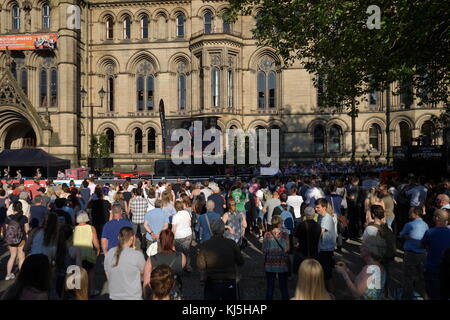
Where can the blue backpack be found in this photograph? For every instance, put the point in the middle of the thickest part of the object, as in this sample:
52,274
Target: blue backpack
288,219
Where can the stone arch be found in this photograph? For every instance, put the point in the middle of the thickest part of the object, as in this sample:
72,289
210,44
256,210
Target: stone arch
125,12
141,12
161,12
138,57
154,125
105,14
130,129
257,122
104,61
344,126
12,116
422,119
105,125
234,122
201,11
176,10
177,58
258,54
395,122
368,123
315,123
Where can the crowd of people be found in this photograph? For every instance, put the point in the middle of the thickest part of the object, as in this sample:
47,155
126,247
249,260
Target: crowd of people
150,235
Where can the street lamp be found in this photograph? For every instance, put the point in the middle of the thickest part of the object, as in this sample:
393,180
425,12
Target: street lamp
83,96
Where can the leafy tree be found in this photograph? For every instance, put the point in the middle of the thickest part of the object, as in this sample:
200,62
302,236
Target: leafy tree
100,147
332,39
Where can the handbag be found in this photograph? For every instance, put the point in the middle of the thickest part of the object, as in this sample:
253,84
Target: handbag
152,249
288,260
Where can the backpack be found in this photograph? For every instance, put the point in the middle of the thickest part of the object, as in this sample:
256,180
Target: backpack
288,220
389,237
14,233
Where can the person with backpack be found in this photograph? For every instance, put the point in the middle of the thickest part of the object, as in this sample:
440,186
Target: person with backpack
287,213
16,229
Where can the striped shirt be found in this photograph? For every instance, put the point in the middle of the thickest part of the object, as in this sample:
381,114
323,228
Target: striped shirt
275,257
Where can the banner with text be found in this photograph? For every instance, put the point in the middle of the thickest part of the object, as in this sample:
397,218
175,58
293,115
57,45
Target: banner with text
29,42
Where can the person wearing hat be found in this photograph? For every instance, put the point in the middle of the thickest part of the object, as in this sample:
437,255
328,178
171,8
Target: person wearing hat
308,235
218,258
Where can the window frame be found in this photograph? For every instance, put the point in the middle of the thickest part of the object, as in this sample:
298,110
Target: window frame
126,26
15,17
215,87
182,25
210,23
151,141
182,92
109,25
315,138
375,126
45,16
145,26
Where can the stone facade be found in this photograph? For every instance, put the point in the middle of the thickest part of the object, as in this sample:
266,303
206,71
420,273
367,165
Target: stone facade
140,52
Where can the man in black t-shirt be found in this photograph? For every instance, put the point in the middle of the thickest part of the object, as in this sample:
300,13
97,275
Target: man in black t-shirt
217,198
177,186
308,236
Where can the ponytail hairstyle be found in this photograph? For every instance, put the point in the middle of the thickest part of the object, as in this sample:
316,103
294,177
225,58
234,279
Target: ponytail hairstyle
125,234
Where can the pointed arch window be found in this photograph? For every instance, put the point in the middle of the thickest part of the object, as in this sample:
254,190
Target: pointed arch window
335,144
151,141
180,25
215,87
144,27
24,81
428,132
110,135
272,84
110,90
375,137
137,140
230,88
182,91
15,17
145,87
43,85
261,90
319,139
127,28
208,21
226,25
405,133
109,28
46,16
54,88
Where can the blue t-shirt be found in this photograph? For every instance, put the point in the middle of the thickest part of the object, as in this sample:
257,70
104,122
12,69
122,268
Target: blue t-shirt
204,229
415,230
436,239
37,215
111,231
156,220
69,211
328,240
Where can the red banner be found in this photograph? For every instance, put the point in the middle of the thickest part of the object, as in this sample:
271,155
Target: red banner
29,42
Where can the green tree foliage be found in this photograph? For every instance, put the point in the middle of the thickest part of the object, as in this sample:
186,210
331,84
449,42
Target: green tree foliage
332,39
100,147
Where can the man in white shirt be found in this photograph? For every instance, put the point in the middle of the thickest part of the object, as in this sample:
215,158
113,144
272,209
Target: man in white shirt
295,201
417,195
206,190
314,193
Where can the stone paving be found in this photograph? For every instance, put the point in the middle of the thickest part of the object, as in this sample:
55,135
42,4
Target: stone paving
252,285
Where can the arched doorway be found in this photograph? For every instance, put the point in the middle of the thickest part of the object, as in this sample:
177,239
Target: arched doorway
16,131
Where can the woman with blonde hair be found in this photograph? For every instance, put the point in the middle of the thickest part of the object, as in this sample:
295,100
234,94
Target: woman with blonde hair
371,200
311,282
120,200
85,238
81,293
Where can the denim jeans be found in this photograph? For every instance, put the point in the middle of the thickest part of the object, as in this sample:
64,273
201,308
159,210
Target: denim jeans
184,245
283,282
389,222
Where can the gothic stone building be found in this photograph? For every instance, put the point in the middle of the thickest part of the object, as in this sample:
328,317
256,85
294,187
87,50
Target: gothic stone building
181,51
